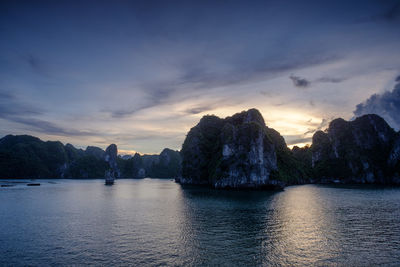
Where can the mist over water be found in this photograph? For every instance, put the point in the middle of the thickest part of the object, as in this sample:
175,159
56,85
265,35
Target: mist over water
158,222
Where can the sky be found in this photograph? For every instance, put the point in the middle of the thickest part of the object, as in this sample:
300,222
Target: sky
140,74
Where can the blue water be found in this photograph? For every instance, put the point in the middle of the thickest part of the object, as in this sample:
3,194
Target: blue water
157,222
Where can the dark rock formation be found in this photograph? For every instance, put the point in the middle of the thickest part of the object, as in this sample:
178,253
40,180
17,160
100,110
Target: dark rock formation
359,151
126,157
394,156
24,156
95,151
111,156
138,168
236,152
148,161
394,161
303,157
166,165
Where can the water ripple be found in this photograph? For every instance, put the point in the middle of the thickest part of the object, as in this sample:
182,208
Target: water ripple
153,222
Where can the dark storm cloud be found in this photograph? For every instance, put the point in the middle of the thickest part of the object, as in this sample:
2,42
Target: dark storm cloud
299,82
387,105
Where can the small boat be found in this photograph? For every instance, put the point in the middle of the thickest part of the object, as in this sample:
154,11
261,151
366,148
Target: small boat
33,184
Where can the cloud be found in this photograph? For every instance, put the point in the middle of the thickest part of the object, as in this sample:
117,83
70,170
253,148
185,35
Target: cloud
266,94
10,106
47,127
386,105
195,79
330,80
209,105
392,13
197,110
307,136
299,82
33,62
324,123
303,82
154,94
6,96
37,64
120,113
296,139
14,110
389,15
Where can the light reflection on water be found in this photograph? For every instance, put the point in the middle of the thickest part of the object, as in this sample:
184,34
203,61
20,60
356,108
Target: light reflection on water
157,222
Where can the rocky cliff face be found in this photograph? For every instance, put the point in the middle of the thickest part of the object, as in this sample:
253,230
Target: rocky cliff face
394,156
360,151
235,152
110,156
167,165
394,160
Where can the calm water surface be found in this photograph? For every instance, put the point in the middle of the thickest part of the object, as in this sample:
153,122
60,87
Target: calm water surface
157,222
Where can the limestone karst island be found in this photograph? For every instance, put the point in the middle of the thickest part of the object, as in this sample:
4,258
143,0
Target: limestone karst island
239,151
199,133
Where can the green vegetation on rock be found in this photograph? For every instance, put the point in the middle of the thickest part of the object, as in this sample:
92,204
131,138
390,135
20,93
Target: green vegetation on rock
238,152
355,151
